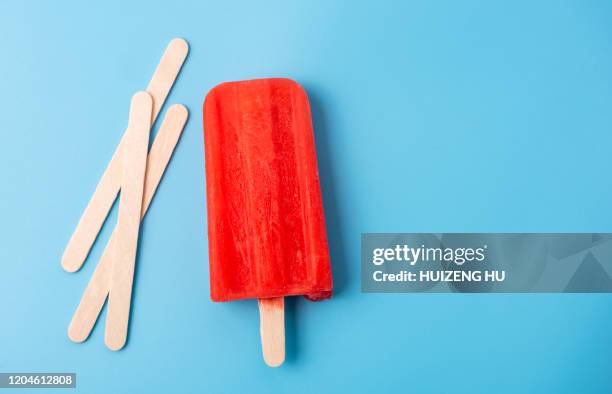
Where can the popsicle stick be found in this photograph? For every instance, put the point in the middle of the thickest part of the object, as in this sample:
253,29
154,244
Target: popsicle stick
272,330
166,72
128,223
108,187
95,294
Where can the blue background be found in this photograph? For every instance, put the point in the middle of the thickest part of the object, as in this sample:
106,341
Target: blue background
430,116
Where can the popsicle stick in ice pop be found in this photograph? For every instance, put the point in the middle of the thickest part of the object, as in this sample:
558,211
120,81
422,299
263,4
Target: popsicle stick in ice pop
108,187
272,330
266,228
128,223
159,156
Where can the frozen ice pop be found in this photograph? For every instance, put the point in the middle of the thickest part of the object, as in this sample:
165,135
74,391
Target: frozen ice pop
265,217
266,227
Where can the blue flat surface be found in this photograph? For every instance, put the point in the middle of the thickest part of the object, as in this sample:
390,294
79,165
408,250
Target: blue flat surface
430,116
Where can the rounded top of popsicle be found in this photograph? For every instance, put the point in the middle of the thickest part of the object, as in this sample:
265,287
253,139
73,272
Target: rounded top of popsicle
280,82
284,82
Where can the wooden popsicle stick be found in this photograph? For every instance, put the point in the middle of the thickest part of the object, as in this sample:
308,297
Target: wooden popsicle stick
272,330
166,72
108,187
159,156
128,223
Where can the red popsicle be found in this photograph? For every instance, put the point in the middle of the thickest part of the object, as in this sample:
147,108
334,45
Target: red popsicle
266,227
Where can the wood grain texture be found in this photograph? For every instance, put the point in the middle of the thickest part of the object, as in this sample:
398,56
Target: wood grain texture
128,222
104,196
159,156
272,330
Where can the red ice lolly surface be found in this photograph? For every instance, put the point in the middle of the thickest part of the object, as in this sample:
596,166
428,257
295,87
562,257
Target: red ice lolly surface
266,228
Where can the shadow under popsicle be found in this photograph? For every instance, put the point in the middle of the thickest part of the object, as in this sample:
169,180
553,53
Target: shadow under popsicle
334,225
335,229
